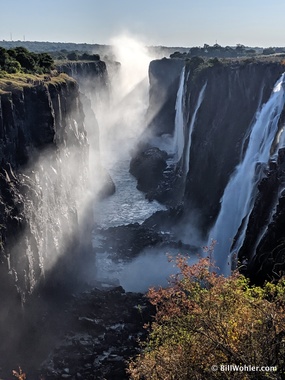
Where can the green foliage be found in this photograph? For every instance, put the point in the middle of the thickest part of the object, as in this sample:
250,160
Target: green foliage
217,51
73,56
20,59
268,51
18,81
26,61
195,62
214,62
12,66
76,56
90,57
203,319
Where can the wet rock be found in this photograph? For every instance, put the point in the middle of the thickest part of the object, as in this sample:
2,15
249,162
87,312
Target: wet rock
108,187
86,353
128,240
148,166
263,251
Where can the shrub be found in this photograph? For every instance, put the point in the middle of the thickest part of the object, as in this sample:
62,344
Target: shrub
45,61
204,319
12,66
20,59
73,56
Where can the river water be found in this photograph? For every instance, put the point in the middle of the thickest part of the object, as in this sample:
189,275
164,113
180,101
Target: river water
121,124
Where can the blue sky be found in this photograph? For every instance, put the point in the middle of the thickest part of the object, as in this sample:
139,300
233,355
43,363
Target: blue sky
156,22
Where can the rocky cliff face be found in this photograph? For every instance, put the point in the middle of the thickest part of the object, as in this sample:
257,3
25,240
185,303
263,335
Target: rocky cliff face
92,77
262,255
231,98
218,105
231,95
43,181
164,80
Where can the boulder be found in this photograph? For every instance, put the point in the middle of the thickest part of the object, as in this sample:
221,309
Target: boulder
148,167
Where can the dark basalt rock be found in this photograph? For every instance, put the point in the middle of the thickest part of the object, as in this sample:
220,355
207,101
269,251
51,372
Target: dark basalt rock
42,137
87,335
92,78
148,166
219,136
104,327
108,187
164,77
127,241
165,219
221,126
124,243
262,255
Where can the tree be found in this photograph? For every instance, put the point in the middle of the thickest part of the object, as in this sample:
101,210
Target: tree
269,51
203,319
3,56
25,58
12,66
20,59
73,56
45,61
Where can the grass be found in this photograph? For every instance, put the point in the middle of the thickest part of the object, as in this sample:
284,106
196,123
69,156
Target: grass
18,81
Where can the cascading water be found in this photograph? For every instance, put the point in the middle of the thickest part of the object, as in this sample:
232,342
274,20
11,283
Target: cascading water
179,138
239,194
121,123
191,127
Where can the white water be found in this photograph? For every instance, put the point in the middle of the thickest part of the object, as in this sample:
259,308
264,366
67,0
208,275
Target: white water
151,268
121,124
238,197
178,137
191,127
127,205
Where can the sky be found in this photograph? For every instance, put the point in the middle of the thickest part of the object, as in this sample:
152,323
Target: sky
155,22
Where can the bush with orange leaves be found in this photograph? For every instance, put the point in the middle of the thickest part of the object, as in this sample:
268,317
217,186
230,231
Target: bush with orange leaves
204,319
20,375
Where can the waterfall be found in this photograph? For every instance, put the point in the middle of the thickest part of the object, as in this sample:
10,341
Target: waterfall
178,138
191,127
238,197
59,110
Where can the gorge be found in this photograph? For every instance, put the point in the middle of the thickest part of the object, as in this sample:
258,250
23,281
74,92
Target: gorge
226,140
205,144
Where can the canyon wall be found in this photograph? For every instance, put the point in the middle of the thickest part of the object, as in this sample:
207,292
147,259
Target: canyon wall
45,218
42,133
219,104
164,80
221,127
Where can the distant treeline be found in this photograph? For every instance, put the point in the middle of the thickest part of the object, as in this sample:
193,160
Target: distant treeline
35,56
20,59
75,55
39,47
218,51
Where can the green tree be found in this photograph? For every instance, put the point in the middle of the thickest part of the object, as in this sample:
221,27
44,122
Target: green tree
25,58
45,61
269,51
12,66
4,56
73,56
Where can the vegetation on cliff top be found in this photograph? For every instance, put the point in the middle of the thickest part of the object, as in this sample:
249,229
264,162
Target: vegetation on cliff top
20,59
204,320
14,82
21,68
218,51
